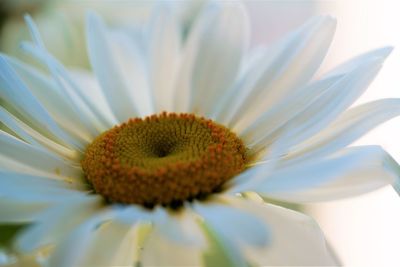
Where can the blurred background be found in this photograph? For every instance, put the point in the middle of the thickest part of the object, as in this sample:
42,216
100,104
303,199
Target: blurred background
363,231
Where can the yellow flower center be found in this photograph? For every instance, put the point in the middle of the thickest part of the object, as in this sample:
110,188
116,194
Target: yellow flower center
163,159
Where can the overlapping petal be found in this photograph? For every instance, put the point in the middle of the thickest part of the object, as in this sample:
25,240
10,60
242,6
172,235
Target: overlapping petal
349,172
212,57
296,130
287,66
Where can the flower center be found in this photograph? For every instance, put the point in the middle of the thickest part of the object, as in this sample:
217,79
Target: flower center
163,159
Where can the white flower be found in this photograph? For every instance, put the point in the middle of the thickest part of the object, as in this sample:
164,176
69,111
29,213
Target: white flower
296,131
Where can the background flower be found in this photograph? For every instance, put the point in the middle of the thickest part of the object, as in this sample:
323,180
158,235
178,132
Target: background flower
62,25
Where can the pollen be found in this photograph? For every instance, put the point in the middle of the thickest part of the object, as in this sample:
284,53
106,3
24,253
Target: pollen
163,159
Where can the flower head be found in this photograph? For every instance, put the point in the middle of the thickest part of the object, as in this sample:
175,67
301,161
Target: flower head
165,154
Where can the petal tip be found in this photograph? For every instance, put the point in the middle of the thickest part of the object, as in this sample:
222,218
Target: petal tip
386,51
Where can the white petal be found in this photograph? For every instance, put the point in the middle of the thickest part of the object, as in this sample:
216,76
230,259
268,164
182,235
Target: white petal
132,65
94,94
12,165
257,171
70,89
289,64
293,104
49,95
239,226
107,70
70,251
57,221
180,227
350,126
296,239
159,251
274,118
118,241
143,221
353,63
351,172
327,107
23,154
21,210
221,250
253,57
24,197
24,186
34,138
16,94
112,244
164,55
213,56
248,179
90,112
130,214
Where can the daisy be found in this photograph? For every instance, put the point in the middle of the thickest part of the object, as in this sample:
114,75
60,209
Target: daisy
172,151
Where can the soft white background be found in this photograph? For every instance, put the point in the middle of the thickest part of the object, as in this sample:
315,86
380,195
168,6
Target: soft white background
364,231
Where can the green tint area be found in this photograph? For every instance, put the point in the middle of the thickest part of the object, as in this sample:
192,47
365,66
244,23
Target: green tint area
288,205
220,253
8,232
215,255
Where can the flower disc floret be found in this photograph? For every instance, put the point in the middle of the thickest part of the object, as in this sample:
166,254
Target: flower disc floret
163,159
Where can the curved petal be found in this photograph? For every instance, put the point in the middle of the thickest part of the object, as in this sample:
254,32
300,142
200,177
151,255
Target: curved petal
70,90
90,112
112,244
276,117
180,227
350,172
34,138
229,229
109,69
24,197
327,107
159,251
295,103
24,186
25,155
289,64
258,170
239,226
212,57
221,250
133,67
21,210
164,56
15,93
93,94
346,129
69,252
52,225
353,63
49,95
296,239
